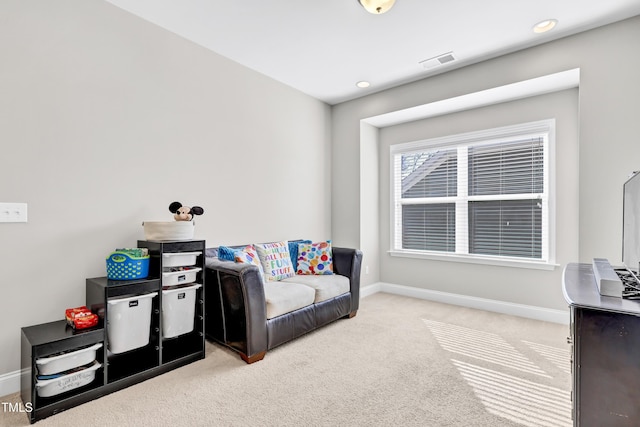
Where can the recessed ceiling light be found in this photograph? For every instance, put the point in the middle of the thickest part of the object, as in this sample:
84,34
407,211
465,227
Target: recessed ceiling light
363,84
544,26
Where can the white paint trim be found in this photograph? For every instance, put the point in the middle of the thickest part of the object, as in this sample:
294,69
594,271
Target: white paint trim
10,383
374,288
475,259
511,92
513,309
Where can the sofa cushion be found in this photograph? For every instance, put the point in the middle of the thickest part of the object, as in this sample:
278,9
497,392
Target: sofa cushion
284,297
326,287
315,258
275,260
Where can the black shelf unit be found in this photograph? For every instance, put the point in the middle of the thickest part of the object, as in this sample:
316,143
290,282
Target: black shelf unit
46,340
192,343
118,370
99,291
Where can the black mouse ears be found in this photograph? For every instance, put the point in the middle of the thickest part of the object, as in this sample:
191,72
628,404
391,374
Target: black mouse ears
173,207
195,210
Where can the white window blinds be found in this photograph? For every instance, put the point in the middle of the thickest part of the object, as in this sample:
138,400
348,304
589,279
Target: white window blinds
475,196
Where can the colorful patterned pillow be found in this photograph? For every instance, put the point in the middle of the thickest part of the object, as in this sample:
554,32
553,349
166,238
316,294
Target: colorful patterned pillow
315,258
275,260
249,255
293,251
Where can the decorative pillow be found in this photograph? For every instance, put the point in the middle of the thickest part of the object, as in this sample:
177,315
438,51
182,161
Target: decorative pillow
293,251
275,260
249,255
315,258
226,253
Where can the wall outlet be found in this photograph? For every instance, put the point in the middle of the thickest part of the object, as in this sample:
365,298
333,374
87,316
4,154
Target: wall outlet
366,269
13,212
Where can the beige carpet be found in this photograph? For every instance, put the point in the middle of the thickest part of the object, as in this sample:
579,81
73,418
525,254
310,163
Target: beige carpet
400,361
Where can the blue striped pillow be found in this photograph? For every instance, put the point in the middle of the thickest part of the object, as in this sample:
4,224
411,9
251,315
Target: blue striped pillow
226,253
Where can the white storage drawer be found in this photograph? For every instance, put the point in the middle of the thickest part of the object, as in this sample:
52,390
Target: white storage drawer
172,278
70,381
178,310
64,362
129,322
179,259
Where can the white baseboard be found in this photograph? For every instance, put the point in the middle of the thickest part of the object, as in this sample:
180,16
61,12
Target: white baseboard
9,383
528,311
365,291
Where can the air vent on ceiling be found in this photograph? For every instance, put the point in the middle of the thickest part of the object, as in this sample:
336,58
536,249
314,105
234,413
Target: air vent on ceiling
438,60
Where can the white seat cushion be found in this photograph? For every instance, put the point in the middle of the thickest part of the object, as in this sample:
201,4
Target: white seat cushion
326,286
283,297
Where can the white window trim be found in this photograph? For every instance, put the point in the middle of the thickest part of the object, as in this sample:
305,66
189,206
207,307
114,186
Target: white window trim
494,135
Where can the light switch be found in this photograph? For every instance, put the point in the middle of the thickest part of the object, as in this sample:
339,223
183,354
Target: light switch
13,212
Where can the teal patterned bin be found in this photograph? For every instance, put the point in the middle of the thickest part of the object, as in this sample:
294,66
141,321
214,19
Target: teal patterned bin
122,266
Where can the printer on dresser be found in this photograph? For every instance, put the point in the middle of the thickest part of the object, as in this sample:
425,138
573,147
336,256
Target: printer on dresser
605,328
605,341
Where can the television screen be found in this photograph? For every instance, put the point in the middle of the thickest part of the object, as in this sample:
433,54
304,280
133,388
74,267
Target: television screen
631,223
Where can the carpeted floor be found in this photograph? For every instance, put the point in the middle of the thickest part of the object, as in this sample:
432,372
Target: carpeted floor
400,361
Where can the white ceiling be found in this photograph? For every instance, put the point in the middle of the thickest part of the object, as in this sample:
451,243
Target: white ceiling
323,48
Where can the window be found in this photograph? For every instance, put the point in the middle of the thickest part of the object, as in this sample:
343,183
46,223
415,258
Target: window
481,195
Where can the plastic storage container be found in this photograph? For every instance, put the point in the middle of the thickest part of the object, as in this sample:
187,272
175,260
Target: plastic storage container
129,322
170,230
178,310
172,278
122,266
64,362
179,259
70,381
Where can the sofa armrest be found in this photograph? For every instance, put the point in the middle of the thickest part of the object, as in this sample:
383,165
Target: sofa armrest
242,304
348,262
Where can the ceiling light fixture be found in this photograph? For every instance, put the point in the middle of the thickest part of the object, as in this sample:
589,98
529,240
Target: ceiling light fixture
377,6
544,26
363,84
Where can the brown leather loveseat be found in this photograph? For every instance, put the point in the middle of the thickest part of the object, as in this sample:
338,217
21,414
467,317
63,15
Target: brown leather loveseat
251,318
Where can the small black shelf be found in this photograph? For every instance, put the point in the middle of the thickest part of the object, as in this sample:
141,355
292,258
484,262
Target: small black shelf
46,340
191,343
178,347
133,362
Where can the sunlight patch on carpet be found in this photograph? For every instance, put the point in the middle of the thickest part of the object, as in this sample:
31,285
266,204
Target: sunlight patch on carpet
516,399
481,345
560,357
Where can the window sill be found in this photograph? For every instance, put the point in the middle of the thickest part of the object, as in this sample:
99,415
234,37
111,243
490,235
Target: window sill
485,260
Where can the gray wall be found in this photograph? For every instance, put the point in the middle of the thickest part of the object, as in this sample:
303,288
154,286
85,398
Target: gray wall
105,119
607,151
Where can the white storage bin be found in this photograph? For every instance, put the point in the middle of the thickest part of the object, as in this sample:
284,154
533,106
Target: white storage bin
178,310
179,259
129,322
64,362
169,230
73,380
172,278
